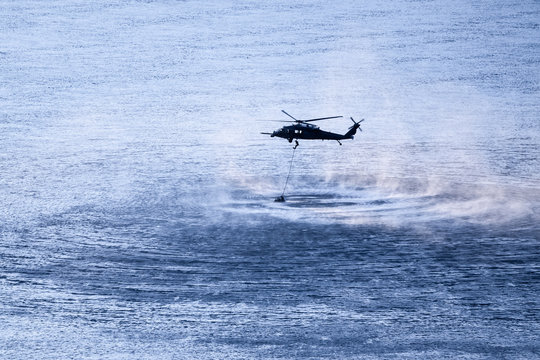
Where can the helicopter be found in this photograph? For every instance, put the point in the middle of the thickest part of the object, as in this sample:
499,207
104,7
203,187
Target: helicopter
303,129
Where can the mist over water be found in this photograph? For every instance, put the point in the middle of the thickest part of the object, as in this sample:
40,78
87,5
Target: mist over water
136,192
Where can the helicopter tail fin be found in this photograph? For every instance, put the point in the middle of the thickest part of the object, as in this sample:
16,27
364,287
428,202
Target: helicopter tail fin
352,130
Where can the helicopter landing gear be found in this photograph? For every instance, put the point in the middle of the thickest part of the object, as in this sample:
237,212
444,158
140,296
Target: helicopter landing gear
339,142
296,142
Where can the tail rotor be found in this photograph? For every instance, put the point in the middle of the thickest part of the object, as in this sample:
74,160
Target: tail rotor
356,124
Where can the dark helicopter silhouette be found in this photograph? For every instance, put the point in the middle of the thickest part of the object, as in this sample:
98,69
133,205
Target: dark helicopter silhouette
302,129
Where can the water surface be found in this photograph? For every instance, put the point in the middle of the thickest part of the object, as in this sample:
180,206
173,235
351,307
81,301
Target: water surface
136,193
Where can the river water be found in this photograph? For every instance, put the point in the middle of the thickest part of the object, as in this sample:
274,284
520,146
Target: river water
137,218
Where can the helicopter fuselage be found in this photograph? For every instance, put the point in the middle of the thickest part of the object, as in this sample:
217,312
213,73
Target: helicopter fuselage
309,132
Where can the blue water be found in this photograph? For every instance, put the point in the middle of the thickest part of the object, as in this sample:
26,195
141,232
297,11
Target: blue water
137,218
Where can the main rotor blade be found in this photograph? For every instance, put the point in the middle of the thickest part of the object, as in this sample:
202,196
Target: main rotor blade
323,118
289,115
287,121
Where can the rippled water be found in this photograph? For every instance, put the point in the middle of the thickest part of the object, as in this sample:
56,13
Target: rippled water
136,194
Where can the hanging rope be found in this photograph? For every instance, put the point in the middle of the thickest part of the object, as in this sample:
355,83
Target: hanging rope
290,167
